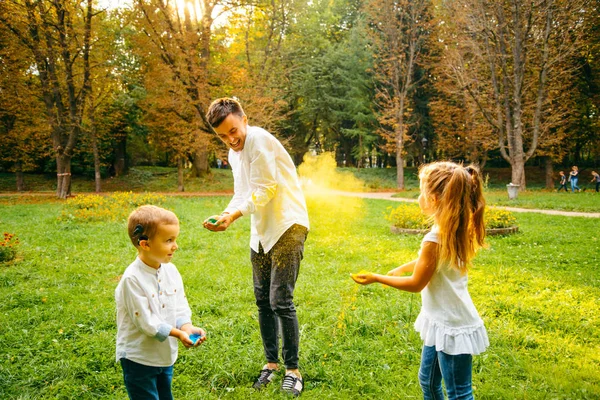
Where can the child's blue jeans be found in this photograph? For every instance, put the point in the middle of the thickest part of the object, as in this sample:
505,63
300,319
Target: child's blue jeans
455,370
147,383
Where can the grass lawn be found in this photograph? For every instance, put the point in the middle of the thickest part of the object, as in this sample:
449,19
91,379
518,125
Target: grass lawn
538,292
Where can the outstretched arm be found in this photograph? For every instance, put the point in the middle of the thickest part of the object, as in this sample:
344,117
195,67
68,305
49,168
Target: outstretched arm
424,268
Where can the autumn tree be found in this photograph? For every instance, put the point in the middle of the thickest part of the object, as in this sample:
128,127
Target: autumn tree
513,59
56,35
399,29
175,42
24,135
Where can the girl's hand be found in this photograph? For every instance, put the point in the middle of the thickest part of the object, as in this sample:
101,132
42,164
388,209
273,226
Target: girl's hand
365,278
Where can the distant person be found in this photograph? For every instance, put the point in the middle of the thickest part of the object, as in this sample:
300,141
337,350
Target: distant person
225,164
450,327
596,178
266,187
573,178
152,310
219,162
563,181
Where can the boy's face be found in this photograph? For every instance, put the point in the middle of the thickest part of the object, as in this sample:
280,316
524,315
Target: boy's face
160,247
232,131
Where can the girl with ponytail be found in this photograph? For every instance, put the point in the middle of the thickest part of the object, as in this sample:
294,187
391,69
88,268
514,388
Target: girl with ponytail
449,324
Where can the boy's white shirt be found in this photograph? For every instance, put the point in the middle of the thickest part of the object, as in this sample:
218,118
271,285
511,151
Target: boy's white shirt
267,187
150,302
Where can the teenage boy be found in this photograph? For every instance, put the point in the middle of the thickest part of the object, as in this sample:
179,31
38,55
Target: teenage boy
267,188
152,309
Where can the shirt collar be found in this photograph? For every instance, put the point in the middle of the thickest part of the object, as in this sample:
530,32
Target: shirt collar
146,268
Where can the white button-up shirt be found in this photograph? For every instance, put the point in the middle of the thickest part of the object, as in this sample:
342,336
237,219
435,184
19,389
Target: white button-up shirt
150,302
266,186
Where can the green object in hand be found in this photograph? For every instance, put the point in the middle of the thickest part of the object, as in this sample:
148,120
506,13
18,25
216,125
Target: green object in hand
213,221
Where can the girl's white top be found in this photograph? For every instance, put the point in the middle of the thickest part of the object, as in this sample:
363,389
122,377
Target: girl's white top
448,319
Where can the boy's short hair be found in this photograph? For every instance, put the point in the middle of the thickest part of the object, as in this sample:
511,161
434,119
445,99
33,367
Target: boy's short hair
221,108
149,218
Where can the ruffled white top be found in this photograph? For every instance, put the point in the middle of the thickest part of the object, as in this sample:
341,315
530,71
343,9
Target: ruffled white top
448,319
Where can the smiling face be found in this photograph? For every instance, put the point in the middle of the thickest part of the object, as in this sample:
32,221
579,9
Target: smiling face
161,246
232,131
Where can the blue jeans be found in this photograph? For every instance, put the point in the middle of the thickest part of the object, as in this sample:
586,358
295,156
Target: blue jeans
574,184
455,370
147,383
275,275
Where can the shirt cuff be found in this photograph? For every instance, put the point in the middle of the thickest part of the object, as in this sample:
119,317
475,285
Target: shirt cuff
163,332
182,321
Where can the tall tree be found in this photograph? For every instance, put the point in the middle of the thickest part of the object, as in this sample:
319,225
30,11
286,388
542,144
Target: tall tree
24,135
513,58
177,42
56,35
399,29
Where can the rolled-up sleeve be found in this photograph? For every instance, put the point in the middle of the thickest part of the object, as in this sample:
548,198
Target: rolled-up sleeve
136,304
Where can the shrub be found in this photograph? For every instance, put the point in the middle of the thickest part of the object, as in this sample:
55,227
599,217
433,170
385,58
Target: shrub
499,218
116,206
8,247
409,216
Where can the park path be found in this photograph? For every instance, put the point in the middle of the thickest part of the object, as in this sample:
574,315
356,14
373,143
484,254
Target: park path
388,196
364,195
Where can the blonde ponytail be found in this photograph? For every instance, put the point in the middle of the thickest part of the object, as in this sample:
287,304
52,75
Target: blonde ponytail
459,210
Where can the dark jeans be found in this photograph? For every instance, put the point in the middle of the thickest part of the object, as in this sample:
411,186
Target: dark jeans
597,186
455,370
275,275
147,383
563,186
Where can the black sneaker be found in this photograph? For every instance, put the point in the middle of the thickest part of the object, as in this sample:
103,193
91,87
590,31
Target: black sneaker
292,384
265,377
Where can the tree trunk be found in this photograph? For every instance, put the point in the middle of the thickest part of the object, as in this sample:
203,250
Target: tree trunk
400,147
120,162
20,178
518,172
97,177
200,163
549,172
63,168
180,168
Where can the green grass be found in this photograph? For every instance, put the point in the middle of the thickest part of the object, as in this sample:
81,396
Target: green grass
538,292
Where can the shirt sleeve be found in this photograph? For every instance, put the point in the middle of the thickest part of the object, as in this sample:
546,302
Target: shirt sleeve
183,313
263,175
238,187
137,306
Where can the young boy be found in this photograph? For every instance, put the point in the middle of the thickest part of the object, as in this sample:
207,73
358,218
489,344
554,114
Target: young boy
266,188
563,182
152,309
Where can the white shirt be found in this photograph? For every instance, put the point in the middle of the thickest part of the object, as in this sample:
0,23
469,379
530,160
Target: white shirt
266,186
448,319
150,302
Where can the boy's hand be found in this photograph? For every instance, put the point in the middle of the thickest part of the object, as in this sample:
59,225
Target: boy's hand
202,333
184,338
